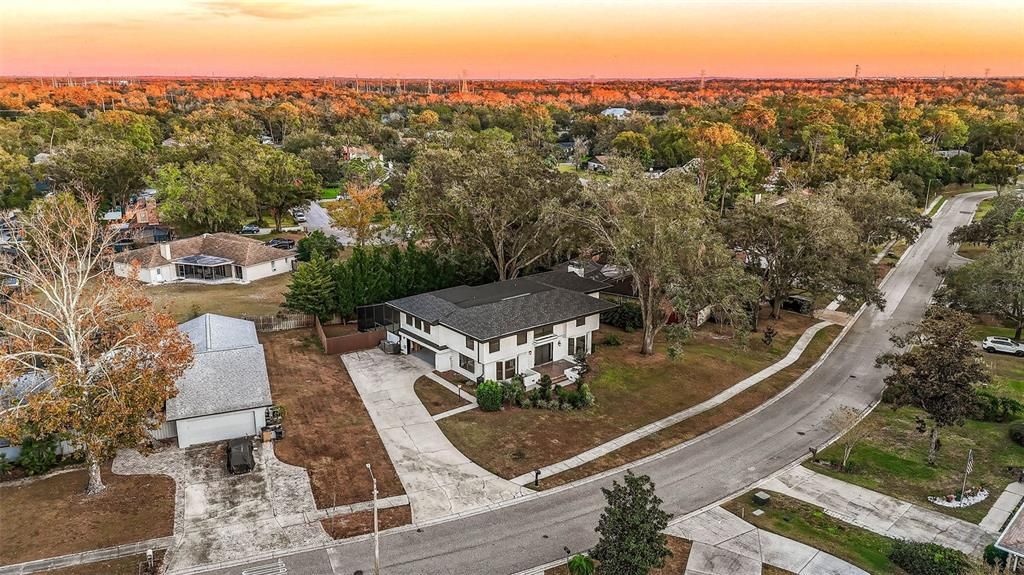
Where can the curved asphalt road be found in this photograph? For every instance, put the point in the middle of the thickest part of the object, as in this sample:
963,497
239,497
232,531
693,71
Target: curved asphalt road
534,532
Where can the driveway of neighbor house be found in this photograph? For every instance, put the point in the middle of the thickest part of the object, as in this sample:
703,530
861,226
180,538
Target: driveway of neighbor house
724,544
438,479
880,513
223,517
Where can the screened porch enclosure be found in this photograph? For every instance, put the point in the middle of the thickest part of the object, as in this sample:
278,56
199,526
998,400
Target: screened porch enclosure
206,268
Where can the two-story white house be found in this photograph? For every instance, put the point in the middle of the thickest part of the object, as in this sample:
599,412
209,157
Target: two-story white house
531,326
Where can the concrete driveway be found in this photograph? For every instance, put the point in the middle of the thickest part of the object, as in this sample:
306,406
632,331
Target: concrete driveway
223,517
439,480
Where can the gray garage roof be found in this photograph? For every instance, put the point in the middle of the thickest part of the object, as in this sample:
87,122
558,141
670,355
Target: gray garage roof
229,372
503,308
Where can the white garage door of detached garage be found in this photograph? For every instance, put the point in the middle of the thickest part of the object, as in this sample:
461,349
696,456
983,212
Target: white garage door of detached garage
219,427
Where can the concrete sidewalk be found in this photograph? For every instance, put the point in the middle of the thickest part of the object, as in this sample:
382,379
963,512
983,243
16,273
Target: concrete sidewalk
724,544
1003,508
651,428
437,477
880,513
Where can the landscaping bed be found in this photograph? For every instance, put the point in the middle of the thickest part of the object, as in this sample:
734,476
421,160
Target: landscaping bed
892,457
53,516
361,522
703,422
327,428
675,564
435,397
807,524
631,391
185,301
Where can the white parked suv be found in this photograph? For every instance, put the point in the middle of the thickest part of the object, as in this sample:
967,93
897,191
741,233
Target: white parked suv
994,344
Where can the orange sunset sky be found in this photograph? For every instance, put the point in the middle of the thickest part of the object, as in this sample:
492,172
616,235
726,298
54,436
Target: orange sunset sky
512,38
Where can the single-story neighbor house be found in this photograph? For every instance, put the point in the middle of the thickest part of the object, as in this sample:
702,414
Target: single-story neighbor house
1011,540
209,258
598,163
617,113
526,326
226,392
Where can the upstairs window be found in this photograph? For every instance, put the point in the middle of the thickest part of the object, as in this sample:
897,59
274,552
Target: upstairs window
494,345
543,331
521,338
580,322
470,344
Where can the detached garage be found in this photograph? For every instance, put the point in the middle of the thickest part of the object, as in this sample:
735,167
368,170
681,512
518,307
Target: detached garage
226,392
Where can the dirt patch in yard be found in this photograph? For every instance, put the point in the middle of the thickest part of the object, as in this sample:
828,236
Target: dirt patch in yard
361,522
53,516
122,566
185,300
327,428
631,390
435,397
336,329
675,564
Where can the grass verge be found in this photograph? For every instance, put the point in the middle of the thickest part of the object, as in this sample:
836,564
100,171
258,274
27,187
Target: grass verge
123,566
807,524
53,516
361,522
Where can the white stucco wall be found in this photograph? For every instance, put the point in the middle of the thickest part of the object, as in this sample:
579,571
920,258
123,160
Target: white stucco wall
267,269
210,428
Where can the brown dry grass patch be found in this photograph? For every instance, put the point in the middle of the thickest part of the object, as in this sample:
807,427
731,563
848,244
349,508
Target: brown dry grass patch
703,422
435,397
361,522
53,516
327,428
123,566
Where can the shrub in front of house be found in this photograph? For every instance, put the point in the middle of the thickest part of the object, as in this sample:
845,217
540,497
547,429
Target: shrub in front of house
512,391
928,559
626,316
1017,432
488,395
38,455
612,340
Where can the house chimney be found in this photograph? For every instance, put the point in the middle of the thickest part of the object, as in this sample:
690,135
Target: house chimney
165,250
576,267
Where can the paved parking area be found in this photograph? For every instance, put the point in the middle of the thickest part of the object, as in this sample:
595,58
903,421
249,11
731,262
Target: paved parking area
223,517
437,477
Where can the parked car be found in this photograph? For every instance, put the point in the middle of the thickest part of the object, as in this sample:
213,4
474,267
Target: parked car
299,217
240,458
249,229
282,243
994,344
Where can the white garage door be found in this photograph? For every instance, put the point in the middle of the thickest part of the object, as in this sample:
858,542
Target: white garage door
216,428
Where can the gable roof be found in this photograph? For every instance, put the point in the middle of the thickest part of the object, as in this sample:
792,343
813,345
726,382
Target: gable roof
503,308
229,371
240,250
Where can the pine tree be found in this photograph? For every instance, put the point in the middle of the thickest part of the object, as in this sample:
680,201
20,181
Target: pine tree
630,527
312,289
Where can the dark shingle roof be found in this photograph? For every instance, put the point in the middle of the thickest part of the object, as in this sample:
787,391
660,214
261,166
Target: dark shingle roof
503,308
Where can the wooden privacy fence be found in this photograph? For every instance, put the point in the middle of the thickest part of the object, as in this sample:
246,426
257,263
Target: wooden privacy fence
281,322
345,343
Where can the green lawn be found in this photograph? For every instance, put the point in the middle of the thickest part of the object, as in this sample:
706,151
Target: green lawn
267,221
810,525
938,205
973,251
892,459
329,193
631,391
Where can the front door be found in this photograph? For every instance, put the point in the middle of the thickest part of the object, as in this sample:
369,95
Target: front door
542,354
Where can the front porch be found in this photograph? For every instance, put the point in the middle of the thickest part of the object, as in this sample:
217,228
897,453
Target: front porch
558,371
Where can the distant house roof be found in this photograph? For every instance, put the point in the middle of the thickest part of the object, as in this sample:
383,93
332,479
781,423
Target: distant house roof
229,372
1012,538
232,247
615,112
503,308
948,154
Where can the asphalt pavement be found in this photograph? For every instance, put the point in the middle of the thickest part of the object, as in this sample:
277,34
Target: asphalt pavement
724,462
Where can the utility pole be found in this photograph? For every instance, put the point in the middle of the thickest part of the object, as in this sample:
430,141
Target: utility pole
376,531
856,73
987,70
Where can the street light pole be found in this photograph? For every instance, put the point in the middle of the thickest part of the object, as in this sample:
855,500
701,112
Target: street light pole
376,532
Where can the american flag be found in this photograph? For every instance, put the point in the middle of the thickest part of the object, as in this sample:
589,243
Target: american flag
970,461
